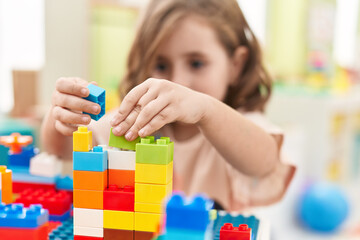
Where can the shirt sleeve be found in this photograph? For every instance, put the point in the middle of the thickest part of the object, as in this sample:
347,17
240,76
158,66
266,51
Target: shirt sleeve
251,191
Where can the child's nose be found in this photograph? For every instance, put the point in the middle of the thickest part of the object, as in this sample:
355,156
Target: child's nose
180,76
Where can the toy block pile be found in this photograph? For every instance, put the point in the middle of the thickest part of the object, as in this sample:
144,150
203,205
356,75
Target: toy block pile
119,190
58,203
188,218
5,185
20,152
18,223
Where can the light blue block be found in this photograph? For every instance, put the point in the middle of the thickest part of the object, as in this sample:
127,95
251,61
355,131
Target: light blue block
95,160
64,183
28,178
97,95
180,234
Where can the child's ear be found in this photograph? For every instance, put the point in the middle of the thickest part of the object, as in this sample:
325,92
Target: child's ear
238,62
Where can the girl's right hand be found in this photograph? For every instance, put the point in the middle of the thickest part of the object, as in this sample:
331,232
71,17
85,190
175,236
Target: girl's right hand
68,105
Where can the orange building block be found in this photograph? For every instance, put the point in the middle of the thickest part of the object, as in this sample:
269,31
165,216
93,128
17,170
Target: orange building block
121,178
6,183
88,199
88,180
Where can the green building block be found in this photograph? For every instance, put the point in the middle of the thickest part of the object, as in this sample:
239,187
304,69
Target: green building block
121,142
150,152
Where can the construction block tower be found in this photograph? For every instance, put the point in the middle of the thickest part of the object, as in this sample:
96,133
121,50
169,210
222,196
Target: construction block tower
153,182
5,185
118,192
119,215
90,180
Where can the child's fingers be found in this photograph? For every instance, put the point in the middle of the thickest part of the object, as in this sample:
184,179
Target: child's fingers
149,112
129,102
124,126
75,103
65,129
66,116
167,115
73,86
118,118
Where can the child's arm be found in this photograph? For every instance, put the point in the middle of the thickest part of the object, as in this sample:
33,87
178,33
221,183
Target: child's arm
65,114
154,103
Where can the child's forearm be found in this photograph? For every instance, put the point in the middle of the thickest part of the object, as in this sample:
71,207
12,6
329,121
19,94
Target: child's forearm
53,141
244,145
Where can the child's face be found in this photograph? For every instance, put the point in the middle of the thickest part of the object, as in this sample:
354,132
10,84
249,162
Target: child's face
193,57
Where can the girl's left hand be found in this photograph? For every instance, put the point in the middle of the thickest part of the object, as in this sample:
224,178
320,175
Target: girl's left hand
154,103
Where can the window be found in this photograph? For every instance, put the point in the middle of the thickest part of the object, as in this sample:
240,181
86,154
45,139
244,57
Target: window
21,42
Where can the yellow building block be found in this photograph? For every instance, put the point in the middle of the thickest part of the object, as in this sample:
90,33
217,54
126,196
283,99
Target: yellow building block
148,208
147,222
153,173
6,185
118,220
152,193
82,140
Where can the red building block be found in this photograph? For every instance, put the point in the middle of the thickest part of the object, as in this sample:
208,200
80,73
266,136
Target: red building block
228,232
40,233
119,199
77,237
57,203
18,187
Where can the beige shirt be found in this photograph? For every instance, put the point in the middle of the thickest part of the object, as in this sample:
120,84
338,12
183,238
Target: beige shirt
199,168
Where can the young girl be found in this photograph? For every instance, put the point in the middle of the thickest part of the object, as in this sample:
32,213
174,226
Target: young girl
195,74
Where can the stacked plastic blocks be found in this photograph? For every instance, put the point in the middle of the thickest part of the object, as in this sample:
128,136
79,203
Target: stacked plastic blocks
18,223
188,219
90,181
153,181
57,203
119,194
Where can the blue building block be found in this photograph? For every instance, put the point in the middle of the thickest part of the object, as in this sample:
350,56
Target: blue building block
15,215
224,217
60,218
63,232
180,234
97,95
64,183
22,159
189,215
95,160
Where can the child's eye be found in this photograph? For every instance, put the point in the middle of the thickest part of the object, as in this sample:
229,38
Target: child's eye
161,67
196,64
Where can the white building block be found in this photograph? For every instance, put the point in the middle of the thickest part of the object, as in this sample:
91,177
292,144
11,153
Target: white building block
45,165
84,217
121,160
88,231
